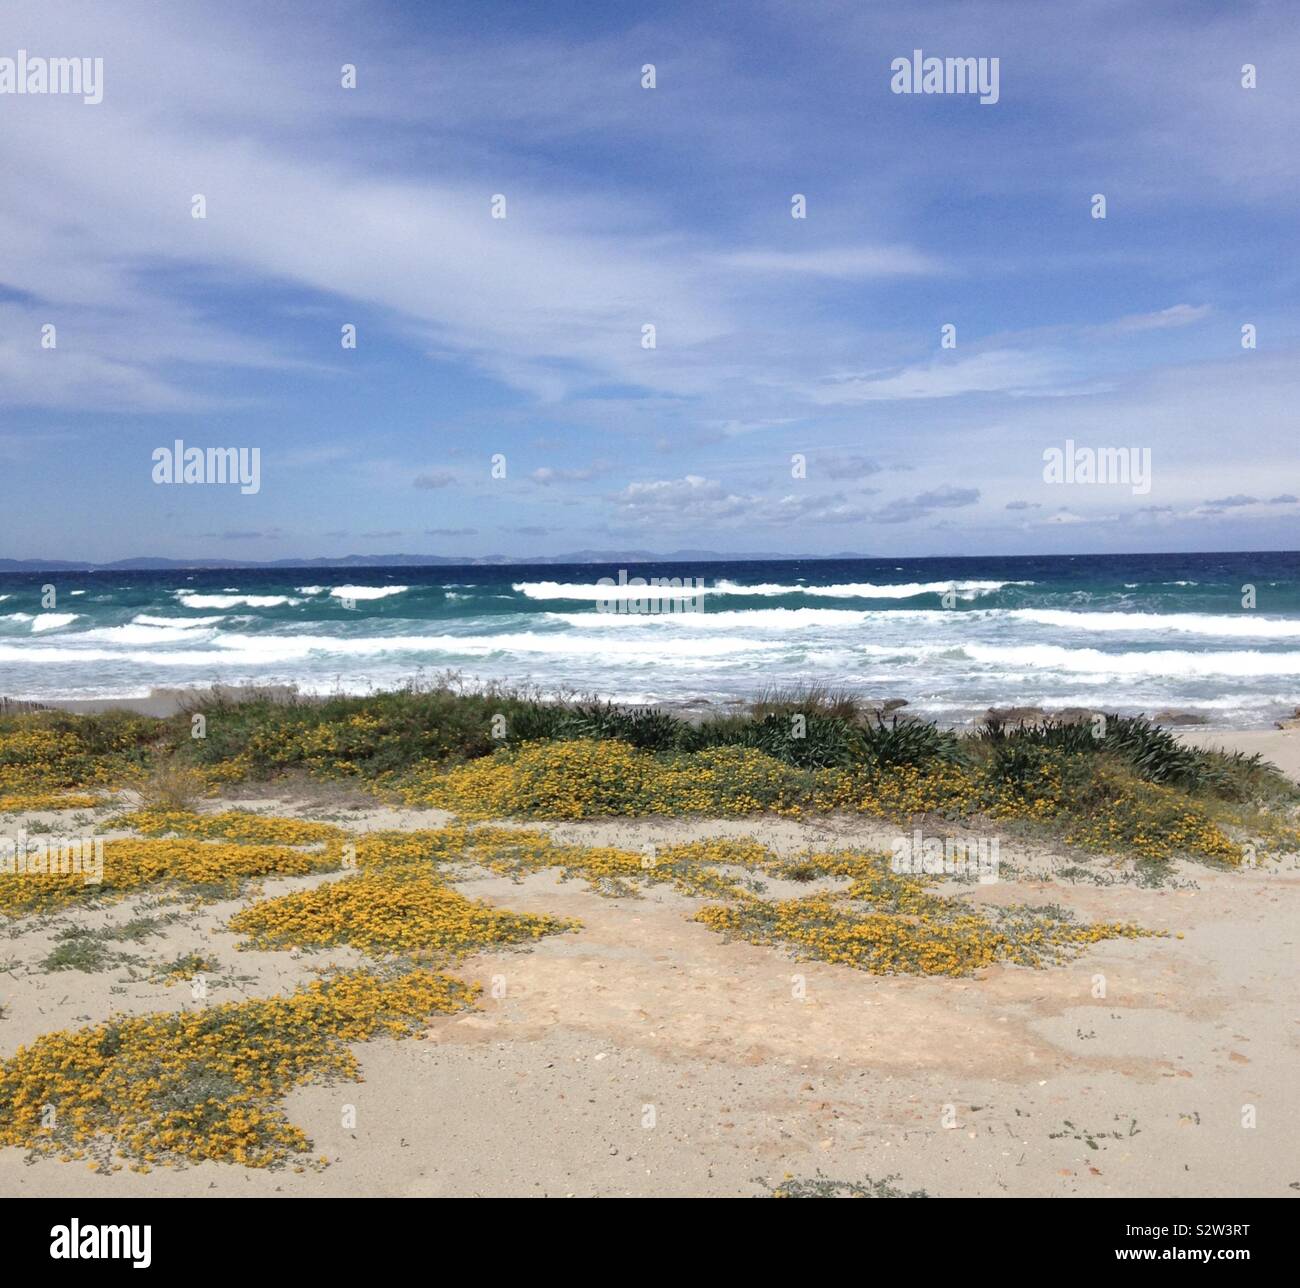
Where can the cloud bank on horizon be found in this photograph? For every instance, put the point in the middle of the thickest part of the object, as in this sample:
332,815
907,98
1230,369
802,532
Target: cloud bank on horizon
688,278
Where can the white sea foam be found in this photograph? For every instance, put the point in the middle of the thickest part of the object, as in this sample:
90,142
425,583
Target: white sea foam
142,633
848,590
1247,664
255,650
1162,662
871,590
1243,625
757,619
1224,626
52,621
367,592
191,600
610,592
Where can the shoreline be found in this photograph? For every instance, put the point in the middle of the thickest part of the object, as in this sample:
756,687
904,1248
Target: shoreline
164,702
160,703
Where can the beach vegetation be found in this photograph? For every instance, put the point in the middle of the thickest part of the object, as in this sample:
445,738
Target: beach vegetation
182,1088
825,1187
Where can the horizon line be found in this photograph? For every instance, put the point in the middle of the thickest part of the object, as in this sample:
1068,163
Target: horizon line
215,564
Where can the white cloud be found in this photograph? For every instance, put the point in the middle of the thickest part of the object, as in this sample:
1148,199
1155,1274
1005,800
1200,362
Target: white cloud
1174,316
433,480
549,474
844,262
907,509
1008,371
695,501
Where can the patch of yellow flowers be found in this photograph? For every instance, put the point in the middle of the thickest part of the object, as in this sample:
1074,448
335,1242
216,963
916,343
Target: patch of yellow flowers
203,1084
34,760
231,825
47,800
398,910
132,864
890,924
1152,823
35,757
506,851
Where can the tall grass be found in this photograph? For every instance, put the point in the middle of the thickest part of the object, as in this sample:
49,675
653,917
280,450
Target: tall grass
1150,751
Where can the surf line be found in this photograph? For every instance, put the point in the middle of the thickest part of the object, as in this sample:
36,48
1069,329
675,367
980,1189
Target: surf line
662,594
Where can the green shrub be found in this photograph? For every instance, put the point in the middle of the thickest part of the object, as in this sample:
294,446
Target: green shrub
1152,752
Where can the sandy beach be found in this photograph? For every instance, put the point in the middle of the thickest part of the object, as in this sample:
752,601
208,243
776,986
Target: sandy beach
1281,746
609,602
646,1055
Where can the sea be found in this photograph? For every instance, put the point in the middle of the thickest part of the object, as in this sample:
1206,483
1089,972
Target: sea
1216,635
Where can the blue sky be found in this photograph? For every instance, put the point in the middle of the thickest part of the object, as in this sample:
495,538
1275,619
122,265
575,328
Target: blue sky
668,206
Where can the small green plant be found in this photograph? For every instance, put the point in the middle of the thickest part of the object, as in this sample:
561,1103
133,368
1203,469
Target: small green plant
823,1187
185,967
1094,1139
82,950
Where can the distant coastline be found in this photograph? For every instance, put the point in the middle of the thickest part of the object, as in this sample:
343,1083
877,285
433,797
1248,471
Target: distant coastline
157,563
151,563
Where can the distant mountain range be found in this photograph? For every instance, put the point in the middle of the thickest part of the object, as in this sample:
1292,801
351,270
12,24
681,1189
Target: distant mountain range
147,563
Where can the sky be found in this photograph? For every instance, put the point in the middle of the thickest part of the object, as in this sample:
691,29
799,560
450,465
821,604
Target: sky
798,396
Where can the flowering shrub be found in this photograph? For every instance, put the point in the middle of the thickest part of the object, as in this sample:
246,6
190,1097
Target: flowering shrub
589,779
354,737
47,750
1100,806
1147,821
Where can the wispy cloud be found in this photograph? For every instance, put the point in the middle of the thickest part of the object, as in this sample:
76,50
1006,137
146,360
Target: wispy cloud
1175,316
1005,371
908,509
843,262
433,480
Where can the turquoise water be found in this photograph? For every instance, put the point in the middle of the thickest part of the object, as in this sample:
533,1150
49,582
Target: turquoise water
953,636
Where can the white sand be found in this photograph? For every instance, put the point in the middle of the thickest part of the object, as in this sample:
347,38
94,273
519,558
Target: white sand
1280,746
